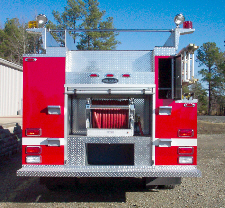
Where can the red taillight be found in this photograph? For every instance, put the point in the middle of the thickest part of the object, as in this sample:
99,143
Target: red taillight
93,75
126,75
30,59
187,25
185,133
33,132
109,75
33,150
185,150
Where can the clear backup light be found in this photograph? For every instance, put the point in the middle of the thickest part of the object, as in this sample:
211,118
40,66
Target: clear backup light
185,160
33,159
179,19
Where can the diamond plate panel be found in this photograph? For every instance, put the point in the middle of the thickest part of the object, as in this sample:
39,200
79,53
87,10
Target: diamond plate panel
142,107
164,51
106,171
135,77
80,64
76,148
76,152
78,114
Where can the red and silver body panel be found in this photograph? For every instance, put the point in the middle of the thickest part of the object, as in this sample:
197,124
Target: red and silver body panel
182,114
83,118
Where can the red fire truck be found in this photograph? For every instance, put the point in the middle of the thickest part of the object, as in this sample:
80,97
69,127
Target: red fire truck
109,113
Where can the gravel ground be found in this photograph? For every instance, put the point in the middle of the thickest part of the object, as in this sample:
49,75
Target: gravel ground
211,124
212,119
207,191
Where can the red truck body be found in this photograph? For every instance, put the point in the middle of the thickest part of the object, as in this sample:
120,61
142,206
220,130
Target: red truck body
109,114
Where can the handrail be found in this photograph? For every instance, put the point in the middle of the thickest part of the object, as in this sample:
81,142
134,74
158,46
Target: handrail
113,30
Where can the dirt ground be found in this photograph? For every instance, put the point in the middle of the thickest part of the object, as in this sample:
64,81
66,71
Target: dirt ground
211,124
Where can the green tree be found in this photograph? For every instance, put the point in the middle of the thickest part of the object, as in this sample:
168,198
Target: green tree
185,89
200,94
70,19
15,41
85,14
3,45
210,57
12,41
93,20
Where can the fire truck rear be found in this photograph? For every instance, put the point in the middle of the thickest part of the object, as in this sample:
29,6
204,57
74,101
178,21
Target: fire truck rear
110,113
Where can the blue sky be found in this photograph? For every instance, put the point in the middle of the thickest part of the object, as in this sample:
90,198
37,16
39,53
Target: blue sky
208,19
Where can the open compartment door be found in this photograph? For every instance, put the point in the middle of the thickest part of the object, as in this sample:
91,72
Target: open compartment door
177,95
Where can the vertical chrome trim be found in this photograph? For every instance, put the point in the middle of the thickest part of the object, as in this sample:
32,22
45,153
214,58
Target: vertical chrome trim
65,126
193,68
185,66
172,77
65,33
153,125
188,66
45,38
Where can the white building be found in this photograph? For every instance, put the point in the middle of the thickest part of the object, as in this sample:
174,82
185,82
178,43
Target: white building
11,88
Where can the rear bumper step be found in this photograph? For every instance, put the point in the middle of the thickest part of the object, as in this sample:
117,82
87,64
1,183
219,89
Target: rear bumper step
108,171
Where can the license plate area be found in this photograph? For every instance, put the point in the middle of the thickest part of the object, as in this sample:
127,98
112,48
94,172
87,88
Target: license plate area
110,154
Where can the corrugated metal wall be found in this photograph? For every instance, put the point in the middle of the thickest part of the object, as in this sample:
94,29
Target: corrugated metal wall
11,88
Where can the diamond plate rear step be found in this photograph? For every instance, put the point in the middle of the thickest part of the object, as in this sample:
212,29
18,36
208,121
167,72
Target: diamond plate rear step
108,171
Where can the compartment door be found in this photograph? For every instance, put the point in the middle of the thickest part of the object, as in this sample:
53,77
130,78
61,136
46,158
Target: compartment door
177,82
43,88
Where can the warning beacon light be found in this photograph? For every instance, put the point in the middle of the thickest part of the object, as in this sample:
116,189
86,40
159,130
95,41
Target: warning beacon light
41,20
179,19
187,25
